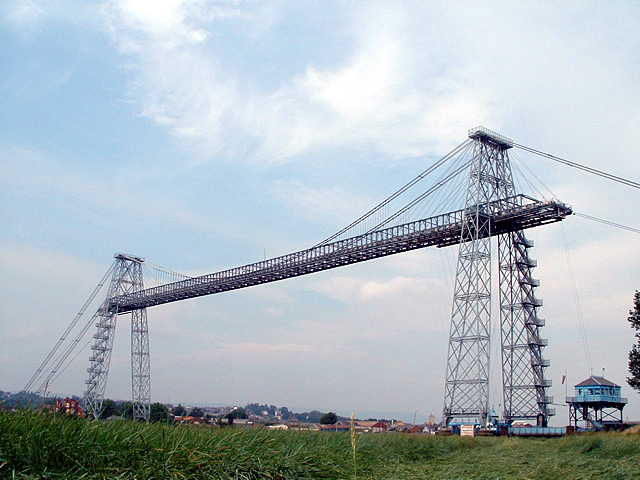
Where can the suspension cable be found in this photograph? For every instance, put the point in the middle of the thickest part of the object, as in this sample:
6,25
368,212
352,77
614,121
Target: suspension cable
578,214
48,358
445,199
156,275
399,192
165,271
60,360
60,368
517,163
576,299
600,173
422,197
607,222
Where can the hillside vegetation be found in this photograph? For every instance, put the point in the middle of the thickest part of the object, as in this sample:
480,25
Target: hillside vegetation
38,445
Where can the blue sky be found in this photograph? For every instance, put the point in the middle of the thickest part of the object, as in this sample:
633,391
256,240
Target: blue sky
206,135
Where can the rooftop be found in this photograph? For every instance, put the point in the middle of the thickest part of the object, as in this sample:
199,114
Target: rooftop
596,381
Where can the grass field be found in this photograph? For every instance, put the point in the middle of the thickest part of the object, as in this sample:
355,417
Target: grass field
34,445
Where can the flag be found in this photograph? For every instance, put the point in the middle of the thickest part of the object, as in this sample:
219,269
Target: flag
563,379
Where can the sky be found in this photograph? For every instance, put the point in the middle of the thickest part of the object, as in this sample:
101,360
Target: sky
206,135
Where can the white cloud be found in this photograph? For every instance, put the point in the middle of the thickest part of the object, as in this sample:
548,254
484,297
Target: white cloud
369,98
165,25
402,85
30,170
365,291
262,349
311,202
24,16
30,18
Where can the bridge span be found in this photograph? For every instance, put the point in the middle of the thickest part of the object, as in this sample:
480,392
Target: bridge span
505,215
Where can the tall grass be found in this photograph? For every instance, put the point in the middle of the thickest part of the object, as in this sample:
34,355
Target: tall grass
35,445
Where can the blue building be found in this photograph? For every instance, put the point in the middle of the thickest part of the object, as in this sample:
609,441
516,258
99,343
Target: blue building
597,402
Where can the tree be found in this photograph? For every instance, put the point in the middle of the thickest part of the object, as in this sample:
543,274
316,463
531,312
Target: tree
634,354
126,410
253,408
313,416
179,411
159,413
196,412
109,408
329,419
239,412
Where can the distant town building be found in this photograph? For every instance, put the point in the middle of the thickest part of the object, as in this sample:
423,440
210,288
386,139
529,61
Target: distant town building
337,427
70,406
379,427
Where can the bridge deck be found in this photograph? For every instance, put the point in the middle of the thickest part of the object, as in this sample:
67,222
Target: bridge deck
515,213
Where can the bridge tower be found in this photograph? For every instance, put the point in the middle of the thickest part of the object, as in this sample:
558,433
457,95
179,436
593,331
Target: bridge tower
491,190
126,279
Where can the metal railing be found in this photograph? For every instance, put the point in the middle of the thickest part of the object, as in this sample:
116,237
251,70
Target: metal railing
482,132
596,398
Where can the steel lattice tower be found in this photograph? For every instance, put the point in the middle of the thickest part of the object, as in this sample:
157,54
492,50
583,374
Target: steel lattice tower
126,279
490,190
524,383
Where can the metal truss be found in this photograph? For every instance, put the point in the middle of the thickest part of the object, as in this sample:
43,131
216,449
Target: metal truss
523,366
126,279
504,215
467,380
491,192
140,369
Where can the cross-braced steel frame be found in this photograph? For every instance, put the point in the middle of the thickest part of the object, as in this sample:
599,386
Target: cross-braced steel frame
491,190
126,279
467,385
